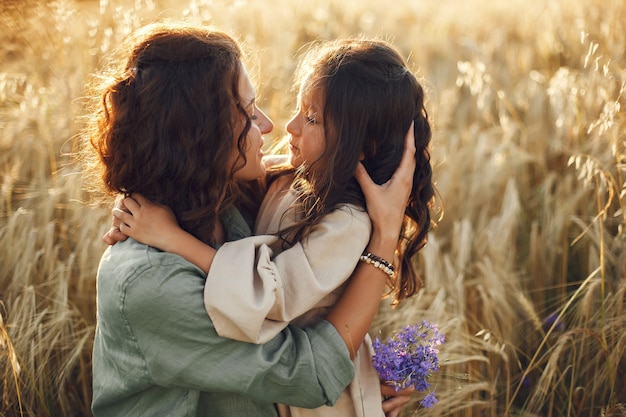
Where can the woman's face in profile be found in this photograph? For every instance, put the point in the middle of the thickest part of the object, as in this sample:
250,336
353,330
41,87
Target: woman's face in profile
260,125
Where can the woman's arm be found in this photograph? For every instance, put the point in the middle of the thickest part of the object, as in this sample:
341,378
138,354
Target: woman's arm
156,226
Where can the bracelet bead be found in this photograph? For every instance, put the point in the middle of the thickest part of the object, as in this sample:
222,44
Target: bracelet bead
378,262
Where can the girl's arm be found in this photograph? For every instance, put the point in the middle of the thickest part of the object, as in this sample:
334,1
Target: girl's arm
155,225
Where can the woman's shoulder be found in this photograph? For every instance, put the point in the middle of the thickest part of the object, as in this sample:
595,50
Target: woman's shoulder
133,276
133,263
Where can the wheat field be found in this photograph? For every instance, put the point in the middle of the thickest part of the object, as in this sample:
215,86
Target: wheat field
526,272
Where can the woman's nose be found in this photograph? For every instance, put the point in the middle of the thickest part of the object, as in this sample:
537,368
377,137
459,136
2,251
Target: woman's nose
264,122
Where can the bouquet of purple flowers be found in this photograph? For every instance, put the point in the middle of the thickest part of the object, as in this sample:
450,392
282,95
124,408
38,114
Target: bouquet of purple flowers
409,358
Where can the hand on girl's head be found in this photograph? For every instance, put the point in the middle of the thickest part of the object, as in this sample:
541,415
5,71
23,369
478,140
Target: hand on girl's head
386,203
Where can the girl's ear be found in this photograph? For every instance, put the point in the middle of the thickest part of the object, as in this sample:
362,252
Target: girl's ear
361,156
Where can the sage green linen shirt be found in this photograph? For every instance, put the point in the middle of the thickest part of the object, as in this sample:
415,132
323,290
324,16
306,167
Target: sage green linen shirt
156,351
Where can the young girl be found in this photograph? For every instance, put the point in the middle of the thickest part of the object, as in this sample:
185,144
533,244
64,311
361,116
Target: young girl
356,101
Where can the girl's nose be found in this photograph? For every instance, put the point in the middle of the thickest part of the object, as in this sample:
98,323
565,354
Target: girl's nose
293,125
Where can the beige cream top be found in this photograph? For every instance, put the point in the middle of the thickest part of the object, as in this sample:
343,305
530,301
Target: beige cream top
255,287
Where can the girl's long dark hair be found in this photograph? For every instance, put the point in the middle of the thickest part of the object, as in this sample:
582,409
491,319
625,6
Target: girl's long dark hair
370,99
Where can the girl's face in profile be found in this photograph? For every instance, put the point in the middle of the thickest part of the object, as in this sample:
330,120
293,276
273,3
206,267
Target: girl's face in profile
260,125
306,128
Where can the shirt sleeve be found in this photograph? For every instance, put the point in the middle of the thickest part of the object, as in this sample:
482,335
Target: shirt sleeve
164,310
254,289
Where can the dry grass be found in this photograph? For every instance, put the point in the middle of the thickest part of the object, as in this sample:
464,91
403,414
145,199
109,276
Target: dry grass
526,274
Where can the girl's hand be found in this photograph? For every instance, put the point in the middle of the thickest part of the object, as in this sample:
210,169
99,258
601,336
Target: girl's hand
387,202
114,235
394,401
151,224
155,225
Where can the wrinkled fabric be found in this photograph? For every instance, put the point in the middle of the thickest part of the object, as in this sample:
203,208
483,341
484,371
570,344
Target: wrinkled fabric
255,288
156,351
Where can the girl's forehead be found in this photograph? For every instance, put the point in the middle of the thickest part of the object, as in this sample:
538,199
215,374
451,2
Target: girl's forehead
311,95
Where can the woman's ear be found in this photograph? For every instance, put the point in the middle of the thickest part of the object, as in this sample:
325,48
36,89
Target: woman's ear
361,156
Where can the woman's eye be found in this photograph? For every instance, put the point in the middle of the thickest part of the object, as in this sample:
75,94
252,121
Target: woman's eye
310,119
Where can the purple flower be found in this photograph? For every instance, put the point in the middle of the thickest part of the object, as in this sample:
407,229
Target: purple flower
409,358
429,400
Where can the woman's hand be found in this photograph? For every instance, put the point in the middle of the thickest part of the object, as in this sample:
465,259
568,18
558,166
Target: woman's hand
387,202
394,400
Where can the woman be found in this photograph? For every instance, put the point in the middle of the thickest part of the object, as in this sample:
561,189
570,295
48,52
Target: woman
180,90
356,99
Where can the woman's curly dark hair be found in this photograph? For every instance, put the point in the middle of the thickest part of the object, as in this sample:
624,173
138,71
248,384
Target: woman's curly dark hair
370,99
164,125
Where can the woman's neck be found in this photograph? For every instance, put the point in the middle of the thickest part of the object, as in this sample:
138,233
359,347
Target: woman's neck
219,234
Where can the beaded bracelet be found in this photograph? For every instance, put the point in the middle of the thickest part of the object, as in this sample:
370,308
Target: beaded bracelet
378,262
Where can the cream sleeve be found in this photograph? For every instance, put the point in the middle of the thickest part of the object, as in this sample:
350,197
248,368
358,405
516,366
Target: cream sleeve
253,289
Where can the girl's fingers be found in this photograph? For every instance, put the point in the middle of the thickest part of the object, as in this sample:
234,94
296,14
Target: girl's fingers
132,205
108,238
124,218
139,198
113,236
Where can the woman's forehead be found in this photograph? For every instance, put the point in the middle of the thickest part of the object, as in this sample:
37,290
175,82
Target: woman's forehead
246,87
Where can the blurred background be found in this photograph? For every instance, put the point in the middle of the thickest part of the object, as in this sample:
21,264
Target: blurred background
525,274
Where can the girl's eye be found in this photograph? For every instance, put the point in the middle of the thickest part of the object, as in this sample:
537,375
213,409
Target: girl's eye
254,117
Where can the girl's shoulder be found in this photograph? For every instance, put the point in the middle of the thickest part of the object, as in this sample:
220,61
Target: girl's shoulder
279,170
272,161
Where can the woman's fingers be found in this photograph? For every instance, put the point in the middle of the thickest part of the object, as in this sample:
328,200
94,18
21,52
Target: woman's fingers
395,400
388,391
393,405
403,177
365,181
